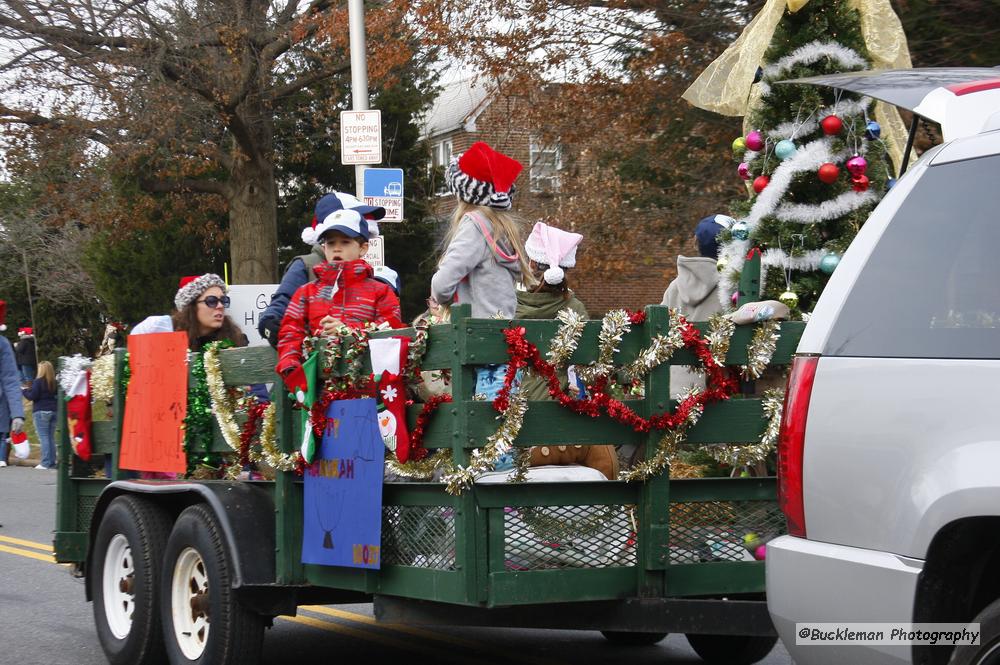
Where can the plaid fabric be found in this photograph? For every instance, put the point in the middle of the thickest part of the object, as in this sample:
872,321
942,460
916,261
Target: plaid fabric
344,290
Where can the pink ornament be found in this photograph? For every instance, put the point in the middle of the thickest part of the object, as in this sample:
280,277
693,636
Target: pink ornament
744,170
857,165
760,553
755,141
736,297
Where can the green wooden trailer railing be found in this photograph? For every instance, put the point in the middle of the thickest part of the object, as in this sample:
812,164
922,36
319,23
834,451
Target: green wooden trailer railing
471,558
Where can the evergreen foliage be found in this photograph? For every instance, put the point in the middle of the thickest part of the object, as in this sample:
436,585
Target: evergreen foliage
820,21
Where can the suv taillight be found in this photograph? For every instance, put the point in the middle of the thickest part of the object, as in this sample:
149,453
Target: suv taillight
791,442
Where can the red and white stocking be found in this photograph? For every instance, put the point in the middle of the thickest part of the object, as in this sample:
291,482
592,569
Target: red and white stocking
78,416
388,363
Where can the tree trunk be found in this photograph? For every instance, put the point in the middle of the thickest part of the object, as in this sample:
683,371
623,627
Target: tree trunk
253,229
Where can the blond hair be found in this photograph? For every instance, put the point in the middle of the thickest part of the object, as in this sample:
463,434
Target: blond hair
47,372
506,227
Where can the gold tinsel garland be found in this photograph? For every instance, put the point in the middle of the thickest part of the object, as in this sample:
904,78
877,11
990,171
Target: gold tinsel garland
613,327
102,379
419,469
720,333
224,410
738,456
567,338
761,349
497,444
661,348
666,449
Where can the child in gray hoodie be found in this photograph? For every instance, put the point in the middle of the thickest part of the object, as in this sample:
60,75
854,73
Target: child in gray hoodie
483,256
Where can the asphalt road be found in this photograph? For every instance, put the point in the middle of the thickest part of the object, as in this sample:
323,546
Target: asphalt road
45,620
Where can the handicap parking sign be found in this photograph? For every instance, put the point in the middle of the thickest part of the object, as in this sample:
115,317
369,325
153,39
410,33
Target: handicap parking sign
384,187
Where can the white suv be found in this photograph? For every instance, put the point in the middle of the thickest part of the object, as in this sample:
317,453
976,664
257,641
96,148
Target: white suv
889,458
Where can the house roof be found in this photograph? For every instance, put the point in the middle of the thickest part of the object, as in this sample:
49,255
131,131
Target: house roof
458,104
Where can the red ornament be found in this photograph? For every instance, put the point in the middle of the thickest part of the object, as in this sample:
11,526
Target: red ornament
859,183
829,173
760,182
831,125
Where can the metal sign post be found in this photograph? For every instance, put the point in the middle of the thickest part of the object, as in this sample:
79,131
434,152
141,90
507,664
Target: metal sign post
359,73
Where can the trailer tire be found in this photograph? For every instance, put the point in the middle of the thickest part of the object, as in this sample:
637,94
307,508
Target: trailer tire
124,576
203,622
627,639
731,649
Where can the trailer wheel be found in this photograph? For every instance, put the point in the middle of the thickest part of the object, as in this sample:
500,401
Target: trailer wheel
203,622
125,571
731,649
627,639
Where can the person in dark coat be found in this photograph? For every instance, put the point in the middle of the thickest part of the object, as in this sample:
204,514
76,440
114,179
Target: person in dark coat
27,362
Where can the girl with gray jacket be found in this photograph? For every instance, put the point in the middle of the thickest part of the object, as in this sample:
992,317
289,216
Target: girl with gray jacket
483,254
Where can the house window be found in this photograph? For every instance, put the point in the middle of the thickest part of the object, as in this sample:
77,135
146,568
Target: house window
440,157
546,163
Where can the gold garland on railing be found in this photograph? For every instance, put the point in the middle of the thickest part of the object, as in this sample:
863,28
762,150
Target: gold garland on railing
613,327
224,409
660,349
720,333
753,453
761,349
666,448
567,337
497,445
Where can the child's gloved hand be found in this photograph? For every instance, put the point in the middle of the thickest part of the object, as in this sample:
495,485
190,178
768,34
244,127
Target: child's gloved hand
295,380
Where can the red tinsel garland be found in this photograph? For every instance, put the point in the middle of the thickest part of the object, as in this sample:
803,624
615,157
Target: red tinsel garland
418,451
254,416
720,385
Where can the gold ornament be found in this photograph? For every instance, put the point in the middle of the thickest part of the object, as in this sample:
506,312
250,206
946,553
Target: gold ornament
789,298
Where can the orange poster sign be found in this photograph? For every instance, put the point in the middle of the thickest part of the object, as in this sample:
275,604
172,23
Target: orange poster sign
156,403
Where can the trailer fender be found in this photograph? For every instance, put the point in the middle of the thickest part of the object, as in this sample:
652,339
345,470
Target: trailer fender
245,514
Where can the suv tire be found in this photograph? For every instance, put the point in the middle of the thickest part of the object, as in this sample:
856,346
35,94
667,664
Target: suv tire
988,649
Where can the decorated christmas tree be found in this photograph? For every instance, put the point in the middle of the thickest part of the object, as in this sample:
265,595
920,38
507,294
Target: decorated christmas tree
816,160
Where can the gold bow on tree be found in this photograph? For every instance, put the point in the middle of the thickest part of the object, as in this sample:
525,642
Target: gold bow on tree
724,85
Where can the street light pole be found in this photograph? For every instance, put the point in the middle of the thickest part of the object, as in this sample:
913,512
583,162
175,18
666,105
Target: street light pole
359,74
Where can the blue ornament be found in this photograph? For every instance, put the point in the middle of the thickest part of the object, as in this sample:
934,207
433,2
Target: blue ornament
829,263
740,231
891,183
873,130
785,149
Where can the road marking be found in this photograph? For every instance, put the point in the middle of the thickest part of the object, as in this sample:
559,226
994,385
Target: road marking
421,632
329,611
373,637
48,558
26,543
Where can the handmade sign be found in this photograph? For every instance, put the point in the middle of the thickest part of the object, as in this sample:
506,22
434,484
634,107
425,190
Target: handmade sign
342,500
156,403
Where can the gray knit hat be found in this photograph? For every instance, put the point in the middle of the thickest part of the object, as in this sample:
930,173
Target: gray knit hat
193,286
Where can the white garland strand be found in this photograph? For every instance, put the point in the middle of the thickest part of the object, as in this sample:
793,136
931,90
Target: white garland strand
812,52
848,108
804,213
72,368
807,261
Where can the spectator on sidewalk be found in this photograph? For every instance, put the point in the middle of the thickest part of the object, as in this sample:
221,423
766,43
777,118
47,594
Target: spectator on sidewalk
26,360
42,394
11,406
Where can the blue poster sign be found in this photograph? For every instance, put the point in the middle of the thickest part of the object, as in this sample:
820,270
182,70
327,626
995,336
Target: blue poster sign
384,187
342,499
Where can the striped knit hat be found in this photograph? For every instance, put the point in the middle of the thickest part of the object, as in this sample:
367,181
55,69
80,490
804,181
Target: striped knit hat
193,286
483,177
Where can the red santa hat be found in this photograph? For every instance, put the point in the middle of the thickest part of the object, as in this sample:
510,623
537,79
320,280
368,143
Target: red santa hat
3,315
484,177
193,286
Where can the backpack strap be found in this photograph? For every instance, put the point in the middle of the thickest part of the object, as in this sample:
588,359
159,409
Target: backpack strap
481,222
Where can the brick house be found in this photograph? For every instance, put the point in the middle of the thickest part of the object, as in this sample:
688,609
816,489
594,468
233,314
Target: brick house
467,111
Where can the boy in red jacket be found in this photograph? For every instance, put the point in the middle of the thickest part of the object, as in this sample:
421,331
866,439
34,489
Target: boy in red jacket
345,293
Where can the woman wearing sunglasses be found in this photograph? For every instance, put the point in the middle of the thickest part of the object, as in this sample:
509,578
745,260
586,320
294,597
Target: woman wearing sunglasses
201,304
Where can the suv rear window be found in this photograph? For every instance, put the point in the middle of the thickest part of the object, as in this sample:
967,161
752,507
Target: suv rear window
931,288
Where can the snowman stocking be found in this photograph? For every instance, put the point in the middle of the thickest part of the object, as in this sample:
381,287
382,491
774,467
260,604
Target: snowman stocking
388,363
78,415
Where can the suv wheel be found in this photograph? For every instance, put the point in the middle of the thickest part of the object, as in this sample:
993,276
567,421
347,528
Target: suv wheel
987,652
